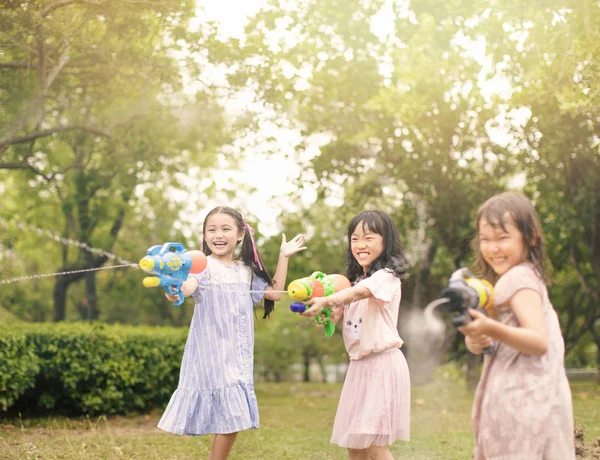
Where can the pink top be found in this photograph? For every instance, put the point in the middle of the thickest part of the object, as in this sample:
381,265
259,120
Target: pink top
370,325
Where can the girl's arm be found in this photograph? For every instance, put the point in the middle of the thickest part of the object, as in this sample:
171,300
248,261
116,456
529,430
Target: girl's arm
188,287
338,299
531,336
476,345
286,251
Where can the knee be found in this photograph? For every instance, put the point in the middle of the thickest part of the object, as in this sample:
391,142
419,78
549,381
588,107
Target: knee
358,454
379,453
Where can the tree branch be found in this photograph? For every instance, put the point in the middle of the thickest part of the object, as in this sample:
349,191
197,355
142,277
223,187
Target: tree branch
62,61
47,132
58,5
26,165
17,65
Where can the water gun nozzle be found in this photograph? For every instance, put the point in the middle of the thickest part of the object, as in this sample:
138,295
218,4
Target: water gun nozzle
147,264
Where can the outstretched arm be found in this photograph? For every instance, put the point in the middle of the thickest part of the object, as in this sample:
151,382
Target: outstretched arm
531,336
295,245
338,299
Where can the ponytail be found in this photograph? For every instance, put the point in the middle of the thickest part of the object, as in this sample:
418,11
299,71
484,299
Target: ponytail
250,257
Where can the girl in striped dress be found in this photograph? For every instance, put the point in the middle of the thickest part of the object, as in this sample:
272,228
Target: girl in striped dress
216,394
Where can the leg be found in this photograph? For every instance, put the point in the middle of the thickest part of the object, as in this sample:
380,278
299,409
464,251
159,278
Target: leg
221,445
379,453
357,454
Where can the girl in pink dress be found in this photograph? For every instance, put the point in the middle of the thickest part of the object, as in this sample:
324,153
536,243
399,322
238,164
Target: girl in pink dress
374,407
522,408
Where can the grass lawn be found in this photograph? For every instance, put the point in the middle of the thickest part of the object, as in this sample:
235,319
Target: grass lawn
296,421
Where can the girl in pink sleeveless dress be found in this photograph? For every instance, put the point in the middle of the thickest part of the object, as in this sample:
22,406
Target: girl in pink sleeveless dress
374,407
522,408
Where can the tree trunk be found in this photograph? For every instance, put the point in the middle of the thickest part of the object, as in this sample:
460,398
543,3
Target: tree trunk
90,285
165,312
473,370
62,285
60,300
598,366
323,370
179,322
420,297
596,338
306,369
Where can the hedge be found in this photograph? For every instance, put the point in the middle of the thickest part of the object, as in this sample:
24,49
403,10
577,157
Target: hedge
77,368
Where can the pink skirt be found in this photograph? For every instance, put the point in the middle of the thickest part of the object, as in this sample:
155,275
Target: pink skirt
374,407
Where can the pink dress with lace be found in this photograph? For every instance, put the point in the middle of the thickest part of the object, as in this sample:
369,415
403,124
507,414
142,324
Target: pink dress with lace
522,408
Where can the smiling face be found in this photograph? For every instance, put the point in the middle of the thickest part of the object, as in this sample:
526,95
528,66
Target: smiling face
366,245
222,236
502,246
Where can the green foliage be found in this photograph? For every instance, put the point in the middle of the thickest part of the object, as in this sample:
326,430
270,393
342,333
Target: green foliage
423,116
286,339
550,57
427,118
19,366
94,129
90,369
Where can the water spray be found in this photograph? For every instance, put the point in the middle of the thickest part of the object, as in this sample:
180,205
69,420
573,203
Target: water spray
464,292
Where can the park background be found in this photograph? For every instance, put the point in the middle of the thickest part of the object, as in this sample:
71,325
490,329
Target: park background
122,123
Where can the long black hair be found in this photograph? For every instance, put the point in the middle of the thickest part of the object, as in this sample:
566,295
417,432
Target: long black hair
392,257
246,254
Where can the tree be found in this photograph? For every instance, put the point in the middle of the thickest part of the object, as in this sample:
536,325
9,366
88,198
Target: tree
405,120
549,54
402,115
285,339
93,113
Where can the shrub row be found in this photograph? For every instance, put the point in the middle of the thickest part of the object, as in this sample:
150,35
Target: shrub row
79,368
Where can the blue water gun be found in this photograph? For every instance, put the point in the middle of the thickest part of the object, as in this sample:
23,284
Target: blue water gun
171,264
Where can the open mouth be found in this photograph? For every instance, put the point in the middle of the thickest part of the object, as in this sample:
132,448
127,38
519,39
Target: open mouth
362,255
219,244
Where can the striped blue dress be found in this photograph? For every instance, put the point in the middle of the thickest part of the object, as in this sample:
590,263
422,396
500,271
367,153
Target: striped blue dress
216,383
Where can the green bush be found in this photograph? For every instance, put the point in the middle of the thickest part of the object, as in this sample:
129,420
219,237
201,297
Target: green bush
90,369
19,366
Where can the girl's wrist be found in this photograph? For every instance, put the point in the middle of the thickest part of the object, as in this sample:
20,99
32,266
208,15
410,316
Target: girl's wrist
488,327
324,305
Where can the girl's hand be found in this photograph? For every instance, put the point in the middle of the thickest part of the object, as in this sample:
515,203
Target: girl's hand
336,314
317,306
172,297
295,245
478,327
481,341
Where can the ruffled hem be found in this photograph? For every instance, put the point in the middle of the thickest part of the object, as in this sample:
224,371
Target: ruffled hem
221,411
